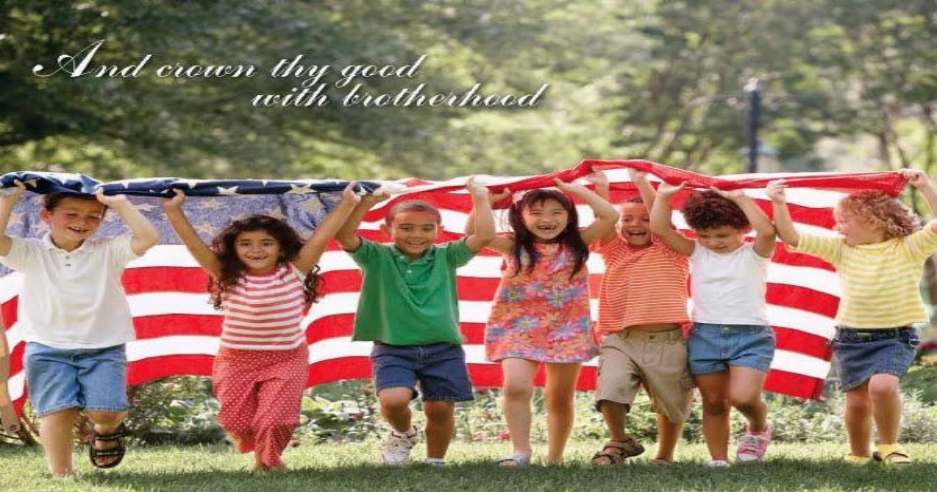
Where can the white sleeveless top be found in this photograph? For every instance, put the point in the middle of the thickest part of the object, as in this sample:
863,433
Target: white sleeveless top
728,288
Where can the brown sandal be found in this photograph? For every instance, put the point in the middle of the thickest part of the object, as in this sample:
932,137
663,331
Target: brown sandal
615,452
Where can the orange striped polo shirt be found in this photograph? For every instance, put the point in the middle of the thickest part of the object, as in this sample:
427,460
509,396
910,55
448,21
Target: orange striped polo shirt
641,286
265,312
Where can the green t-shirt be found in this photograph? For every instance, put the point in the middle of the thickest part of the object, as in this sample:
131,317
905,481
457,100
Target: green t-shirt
407,302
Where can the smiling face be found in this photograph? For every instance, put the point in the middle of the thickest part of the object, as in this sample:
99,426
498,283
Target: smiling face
722,239
413,232
545,220
73,220
635,224
258,251
854,229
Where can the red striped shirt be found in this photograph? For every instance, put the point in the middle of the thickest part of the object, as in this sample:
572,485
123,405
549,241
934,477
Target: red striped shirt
265,312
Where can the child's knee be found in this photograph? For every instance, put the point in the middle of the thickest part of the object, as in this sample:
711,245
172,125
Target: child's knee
883,386
438,410
518,390
106,418
395,398
715,406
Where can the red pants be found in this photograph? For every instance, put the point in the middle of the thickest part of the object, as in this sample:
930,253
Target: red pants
261,393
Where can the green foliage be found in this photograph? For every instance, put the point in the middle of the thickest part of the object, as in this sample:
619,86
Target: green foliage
657,80
178,410
340,412
181,410
922,379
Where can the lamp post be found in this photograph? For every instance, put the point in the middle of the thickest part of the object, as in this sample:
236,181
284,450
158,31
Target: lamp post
753,88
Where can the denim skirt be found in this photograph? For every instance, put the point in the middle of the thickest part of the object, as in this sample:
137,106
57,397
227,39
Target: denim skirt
861,354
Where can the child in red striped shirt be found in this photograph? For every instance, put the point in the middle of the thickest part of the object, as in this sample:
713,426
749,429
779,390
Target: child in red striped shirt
642,311
263,276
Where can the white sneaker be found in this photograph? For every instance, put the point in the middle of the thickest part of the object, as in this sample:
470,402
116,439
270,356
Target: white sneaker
396,448
718,464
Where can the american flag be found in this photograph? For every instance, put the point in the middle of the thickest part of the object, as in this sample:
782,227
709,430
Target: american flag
178,330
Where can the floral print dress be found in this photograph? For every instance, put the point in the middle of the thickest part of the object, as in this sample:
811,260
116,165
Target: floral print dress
542,315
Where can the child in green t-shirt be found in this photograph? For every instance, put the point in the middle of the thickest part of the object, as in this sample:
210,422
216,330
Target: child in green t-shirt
409,309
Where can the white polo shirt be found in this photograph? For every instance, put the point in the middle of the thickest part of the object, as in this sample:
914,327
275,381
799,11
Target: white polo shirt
73,299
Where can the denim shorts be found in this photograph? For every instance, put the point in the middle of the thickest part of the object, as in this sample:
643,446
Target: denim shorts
439,368
713,348
861,354
91,379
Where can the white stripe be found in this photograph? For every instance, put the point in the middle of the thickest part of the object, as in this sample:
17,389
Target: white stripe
808,277
17,385
805,365
159,303
804,321
174,345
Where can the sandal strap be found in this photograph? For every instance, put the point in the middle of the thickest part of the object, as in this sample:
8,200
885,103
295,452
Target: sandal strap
120,433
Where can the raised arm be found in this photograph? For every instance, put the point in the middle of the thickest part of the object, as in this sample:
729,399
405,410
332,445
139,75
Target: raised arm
600,180
765,234
347,235
498,243
660,221
782,215
7,202
203,255
312,250
483,219
919,180
145,235
639,178
605,214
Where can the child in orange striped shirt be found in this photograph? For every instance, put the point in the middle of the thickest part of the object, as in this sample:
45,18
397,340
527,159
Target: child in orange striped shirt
642,310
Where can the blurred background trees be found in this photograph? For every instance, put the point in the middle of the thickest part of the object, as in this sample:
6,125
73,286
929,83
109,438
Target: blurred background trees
846,84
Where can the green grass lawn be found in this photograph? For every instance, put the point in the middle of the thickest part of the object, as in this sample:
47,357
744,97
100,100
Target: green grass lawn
352,467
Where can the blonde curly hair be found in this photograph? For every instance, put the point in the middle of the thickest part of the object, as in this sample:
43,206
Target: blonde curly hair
881,211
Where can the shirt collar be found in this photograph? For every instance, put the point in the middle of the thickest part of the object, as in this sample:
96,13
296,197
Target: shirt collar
86,246
427,257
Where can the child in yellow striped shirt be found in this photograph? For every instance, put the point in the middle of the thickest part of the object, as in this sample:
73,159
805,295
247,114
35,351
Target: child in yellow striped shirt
879,257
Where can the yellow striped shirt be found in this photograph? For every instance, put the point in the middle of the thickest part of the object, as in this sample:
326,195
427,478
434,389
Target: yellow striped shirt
880,282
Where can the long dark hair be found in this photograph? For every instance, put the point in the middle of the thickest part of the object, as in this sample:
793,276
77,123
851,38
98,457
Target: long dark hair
524,240
232,268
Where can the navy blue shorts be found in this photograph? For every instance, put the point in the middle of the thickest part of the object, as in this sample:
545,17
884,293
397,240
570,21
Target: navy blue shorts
439,368
713,348
861,354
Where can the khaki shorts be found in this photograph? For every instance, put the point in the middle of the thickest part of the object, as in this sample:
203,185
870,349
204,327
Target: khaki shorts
658,359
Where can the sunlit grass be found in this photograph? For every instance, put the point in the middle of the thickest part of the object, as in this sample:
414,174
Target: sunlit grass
352,467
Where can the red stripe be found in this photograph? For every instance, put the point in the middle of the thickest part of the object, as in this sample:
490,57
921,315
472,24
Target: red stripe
789,383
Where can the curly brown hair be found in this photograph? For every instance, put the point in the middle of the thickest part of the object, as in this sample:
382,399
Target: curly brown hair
709,210
232,267
881,211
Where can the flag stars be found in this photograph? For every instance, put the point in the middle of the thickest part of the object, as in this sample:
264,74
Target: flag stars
228,191
212,204
276,213
16,218
206,229
300,190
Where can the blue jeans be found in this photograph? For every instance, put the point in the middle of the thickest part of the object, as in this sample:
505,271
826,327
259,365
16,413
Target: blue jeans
438,367
713,348
90,379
